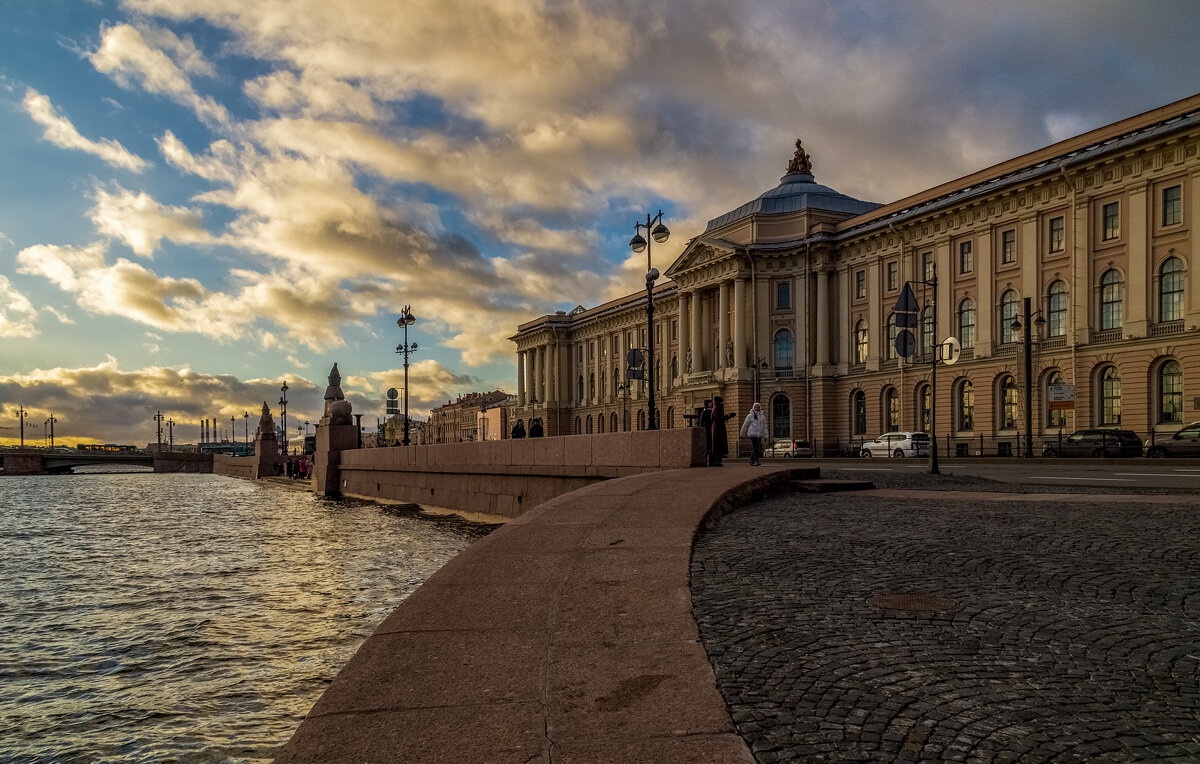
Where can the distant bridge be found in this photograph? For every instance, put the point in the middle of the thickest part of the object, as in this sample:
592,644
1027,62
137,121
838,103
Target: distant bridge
40,461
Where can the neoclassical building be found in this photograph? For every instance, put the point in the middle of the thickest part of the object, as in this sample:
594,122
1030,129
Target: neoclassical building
791,299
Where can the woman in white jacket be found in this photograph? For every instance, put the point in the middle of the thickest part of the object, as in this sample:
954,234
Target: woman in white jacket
755,428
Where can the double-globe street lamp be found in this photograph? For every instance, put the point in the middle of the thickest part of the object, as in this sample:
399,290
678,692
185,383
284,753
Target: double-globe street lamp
658,232
283,416
22,415
1033,318
406,320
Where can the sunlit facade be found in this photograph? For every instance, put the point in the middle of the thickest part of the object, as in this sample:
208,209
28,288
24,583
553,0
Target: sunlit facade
789,300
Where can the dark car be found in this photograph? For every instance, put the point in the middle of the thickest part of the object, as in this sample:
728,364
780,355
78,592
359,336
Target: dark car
1100,443
1186,442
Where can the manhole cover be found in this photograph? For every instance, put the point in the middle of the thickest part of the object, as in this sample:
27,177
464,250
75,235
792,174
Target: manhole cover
917,603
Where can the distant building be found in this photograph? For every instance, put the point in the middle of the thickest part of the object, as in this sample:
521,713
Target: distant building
493,421
459,421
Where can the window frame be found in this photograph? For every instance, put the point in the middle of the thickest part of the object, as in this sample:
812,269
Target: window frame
1008,246
1110,221
860,284
1057,309
1109,398
966,257
1112,300
966,339
1056,235
1169,410
1176,295
1170,206
964,405
783,295
862,341
1008,335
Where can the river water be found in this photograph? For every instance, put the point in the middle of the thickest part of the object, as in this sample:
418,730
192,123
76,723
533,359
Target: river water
188,618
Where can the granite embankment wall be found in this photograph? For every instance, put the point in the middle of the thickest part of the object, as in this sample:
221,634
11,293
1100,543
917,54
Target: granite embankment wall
505,478
235,466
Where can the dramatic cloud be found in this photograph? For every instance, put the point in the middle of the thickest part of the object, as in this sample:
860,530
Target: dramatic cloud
63,134
17,314
142,223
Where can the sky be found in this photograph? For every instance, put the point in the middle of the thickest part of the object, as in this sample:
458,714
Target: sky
203,199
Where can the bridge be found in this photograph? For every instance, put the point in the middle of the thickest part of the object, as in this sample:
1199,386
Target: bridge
41,461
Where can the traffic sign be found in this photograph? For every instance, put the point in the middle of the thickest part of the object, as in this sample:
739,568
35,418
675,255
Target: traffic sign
949,351
908,300
906,343
393,393
634,357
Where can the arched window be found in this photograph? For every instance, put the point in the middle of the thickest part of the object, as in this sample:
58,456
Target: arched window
674,368
965,405
1170,393
670,417
1008,313
1053,418
580,399
891,408
613,426
658,385
578,423
860,341
1056,310
641,419
892,331
616,384
1111,308
1110,396
925,408
781,416
858,405
591,388
599,423
589,424
1170,290
785,349
927,340
1008,402
966,323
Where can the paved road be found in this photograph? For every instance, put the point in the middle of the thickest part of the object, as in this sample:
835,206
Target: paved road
1115,473
1054,628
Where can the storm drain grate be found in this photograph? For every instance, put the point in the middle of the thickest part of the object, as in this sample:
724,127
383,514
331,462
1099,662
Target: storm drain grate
913,603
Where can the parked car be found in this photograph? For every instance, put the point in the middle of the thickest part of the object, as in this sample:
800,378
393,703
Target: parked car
1100,443
788,449
1186,442
897,444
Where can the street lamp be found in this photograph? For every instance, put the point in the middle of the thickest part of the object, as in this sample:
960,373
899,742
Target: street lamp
171,435
406,320
22,415
1030,322
233,430
158,421
283,415
658,232
246,418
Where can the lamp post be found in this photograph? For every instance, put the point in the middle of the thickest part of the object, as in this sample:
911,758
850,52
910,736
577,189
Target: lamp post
283,415
658,232
171,435
246,418
158,421
623,389
22,415
406,320
1032,318
232,430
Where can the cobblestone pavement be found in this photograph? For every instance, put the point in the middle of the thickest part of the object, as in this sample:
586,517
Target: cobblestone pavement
1063,631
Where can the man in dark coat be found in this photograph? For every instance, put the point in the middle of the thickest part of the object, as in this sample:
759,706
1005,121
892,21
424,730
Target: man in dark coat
706,425
518,430
720,439
535,429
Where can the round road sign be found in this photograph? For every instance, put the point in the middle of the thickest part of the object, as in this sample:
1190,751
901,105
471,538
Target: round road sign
393,393
950,351
906,343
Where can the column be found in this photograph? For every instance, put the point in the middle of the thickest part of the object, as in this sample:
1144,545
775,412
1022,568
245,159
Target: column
1137,293
985,302
720,355
552,374
697,339
843,318
739,322
876,329
823,318
685,332
534,373
520,377
597,369
943,268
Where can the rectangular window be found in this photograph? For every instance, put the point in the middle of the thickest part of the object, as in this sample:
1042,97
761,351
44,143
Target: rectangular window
783,295
860,284
1172,205
1058,231
591,351
927,266
966,258
1008,246
674,329
1111,214
615,347
893,276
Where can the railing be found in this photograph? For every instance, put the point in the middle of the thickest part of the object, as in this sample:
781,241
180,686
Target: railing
1166,328
1108,335
1008,348
1053,343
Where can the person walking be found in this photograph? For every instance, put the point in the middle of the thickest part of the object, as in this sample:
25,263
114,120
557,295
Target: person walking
755,428
706,424
720,439
518,430
535,429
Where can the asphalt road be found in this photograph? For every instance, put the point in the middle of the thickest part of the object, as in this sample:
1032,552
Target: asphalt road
1181,475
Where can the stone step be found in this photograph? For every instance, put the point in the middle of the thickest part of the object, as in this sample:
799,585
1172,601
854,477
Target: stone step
826,485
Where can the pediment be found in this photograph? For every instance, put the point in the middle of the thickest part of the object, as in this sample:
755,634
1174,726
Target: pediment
700,252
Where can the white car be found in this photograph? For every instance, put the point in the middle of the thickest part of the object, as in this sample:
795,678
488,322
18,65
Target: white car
788,449
897,444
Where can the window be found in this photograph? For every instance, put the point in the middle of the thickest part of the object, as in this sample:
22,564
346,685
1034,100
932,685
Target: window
893,276
966,405
674,329
674,367
1008,246
578,426
1110,396
1111,312
925,408
1170,290
1008,313
784,349
580,398
616,383
927,266
966,258
1111,216
1170,393
1054,418
927,330
891,407
966,323
781,416
783,295
591,351
603,350
641,419
1008,402
1056,310
1058,230
892,331
859,406
600,423
860,341
1172,205
591,389
860,284
589,424
613,427
616,347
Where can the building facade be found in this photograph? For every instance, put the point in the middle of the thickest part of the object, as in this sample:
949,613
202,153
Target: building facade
791,300
458,421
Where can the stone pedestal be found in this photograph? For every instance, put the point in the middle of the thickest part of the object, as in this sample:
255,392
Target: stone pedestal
266,453
332,439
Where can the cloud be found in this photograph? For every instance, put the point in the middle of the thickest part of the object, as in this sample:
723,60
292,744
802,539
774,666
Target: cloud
17,314
430,384
141,222
63,134
63,318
